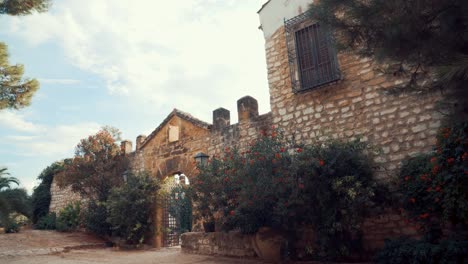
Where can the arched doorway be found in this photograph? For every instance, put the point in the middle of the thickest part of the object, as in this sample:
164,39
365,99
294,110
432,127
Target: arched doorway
177,209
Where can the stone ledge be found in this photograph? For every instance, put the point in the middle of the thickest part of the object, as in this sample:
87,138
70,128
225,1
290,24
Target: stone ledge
230,244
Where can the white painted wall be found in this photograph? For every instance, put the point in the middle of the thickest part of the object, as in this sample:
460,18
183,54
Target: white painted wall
273,13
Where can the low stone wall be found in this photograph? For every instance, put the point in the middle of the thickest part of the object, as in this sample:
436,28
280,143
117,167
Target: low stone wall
231,244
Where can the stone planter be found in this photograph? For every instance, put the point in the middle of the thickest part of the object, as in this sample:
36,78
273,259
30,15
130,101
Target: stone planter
267,244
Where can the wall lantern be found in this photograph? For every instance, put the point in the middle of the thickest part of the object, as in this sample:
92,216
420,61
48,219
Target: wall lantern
201,158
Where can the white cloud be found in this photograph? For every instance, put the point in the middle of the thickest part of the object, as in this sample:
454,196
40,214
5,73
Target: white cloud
16,121
201,54
56,141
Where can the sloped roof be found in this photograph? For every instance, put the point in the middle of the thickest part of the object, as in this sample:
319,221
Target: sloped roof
181,114
261,8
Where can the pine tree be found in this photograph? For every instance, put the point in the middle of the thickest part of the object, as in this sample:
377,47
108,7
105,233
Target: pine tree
15,91
23,7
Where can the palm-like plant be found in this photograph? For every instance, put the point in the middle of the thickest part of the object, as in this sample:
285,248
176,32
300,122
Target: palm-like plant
6,181
11,200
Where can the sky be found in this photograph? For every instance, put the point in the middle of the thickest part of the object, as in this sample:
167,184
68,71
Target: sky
127,64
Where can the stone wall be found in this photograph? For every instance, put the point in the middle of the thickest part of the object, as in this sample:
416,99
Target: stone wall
61,197
231,244
355,106
239,135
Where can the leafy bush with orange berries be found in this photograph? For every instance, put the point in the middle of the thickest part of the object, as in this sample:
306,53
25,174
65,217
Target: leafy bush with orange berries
276,183
435,185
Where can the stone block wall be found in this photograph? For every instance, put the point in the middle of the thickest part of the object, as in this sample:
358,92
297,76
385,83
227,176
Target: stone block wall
355,106
61,197
240,135
231,244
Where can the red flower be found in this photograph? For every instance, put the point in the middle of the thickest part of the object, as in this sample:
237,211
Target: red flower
301,186
232,212
322,162
298,150
412,200
273,134
438,189
281,149
435,169
433,160
407,178
465,156
278,156
450,161
424,216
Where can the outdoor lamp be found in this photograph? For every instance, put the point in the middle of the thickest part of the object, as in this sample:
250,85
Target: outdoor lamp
201,158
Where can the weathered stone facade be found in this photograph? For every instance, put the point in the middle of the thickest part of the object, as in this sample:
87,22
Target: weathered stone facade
61,197
355,106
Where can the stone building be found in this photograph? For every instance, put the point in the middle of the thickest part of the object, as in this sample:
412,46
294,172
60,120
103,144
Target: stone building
315,94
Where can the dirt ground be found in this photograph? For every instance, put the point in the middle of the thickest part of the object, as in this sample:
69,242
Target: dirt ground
92,256
44,247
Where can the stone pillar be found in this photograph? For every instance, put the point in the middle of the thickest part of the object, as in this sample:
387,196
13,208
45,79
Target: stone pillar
126,147
139,141
221,118
247,108
158,238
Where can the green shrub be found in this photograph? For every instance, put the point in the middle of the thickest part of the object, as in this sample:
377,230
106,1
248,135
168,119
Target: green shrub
434,186
69,217
96,218
41,194
47,222
276,184
338,193
12,227
410,251
131,208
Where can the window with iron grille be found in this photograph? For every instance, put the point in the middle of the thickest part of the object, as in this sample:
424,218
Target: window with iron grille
312,56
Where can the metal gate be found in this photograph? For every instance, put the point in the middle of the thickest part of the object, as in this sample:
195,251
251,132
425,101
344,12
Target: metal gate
177,213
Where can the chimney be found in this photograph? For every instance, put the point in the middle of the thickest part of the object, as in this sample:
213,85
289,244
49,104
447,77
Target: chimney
126,147
221,118
139,141
247,108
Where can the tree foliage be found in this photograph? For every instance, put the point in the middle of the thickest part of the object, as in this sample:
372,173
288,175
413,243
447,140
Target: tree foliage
41,194
418,35
15,90
131,208
23,7
12,200
97,167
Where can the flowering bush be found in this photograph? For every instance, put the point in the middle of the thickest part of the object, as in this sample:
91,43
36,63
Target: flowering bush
277,184
434,190
434,186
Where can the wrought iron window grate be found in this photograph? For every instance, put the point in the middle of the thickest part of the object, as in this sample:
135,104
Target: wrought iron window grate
311,55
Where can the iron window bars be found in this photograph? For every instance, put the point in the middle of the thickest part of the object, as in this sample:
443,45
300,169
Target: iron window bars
311,55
